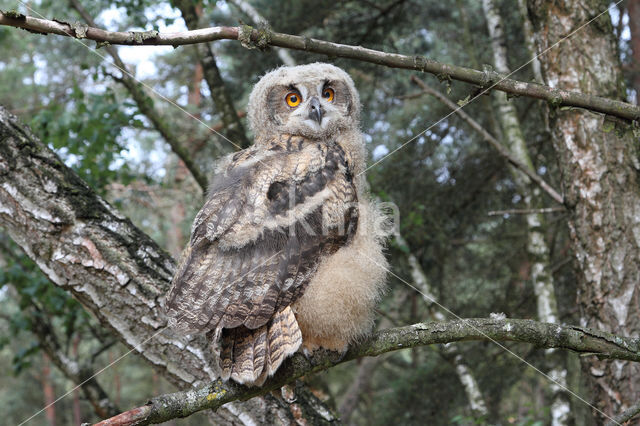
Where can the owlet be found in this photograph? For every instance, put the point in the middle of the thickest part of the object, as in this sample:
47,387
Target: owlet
287,251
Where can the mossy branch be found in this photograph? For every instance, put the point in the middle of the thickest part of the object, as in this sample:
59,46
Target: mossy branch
487,79
543,335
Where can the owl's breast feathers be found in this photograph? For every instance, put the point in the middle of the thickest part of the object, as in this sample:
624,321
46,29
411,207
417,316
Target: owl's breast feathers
274,211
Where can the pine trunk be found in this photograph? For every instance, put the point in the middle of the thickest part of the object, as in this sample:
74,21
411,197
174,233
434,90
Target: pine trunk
49,391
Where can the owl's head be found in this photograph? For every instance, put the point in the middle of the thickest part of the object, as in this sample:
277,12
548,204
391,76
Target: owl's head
316,101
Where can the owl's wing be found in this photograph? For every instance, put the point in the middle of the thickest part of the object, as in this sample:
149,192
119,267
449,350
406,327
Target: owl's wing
269,220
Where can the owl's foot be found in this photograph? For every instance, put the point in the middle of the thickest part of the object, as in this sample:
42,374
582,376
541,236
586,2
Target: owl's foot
311,344
333,355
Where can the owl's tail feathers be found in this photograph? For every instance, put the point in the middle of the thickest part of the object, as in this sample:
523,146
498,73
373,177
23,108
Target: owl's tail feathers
251,356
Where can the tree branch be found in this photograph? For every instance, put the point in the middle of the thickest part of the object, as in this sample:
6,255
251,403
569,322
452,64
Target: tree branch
502,150
543,210
263,38
543,335
246,8
625,416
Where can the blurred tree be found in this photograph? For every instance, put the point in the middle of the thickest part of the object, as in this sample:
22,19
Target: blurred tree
633,7
532,197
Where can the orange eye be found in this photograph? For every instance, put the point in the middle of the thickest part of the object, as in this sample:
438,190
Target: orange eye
328,94
293,99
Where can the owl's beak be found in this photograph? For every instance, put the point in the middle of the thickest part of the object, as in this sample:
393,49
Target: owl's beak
315,110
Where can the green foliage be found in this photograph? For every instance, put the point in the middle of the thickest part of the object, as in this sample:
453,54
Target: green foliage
22,359
462,419
87,131
413,388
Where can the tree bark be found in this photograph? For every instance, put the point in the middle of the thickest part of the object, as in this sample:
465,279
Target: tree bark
600,179
84,245
537,248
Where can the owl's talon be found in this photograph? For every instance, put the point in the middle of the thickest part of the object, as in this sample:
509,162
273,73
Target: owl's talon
306,353
341,356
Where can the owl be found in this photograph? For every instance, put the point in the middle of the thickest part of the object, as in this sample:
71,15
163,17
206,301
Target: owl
287,252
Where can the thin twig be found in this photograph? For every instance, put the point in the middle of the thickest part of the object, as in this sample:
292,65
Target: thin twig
526,211
561,263
263,38
491,140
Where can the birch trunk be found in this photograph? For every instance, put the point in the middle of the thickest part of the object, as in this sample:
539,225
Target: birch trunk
537,248
450,352
84,245
600,179
527,30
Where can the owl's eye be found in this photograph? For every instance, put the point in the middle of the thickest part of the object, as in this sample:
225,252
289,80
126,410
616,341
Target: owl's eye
293,99
328,94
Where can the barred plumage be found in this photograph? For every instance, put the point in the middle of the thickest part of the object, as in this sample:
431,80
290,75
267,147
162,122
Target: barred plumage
277,213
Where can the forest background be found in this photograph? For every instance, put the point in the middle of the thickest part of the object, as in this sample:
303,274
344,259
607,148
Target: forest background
513,205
